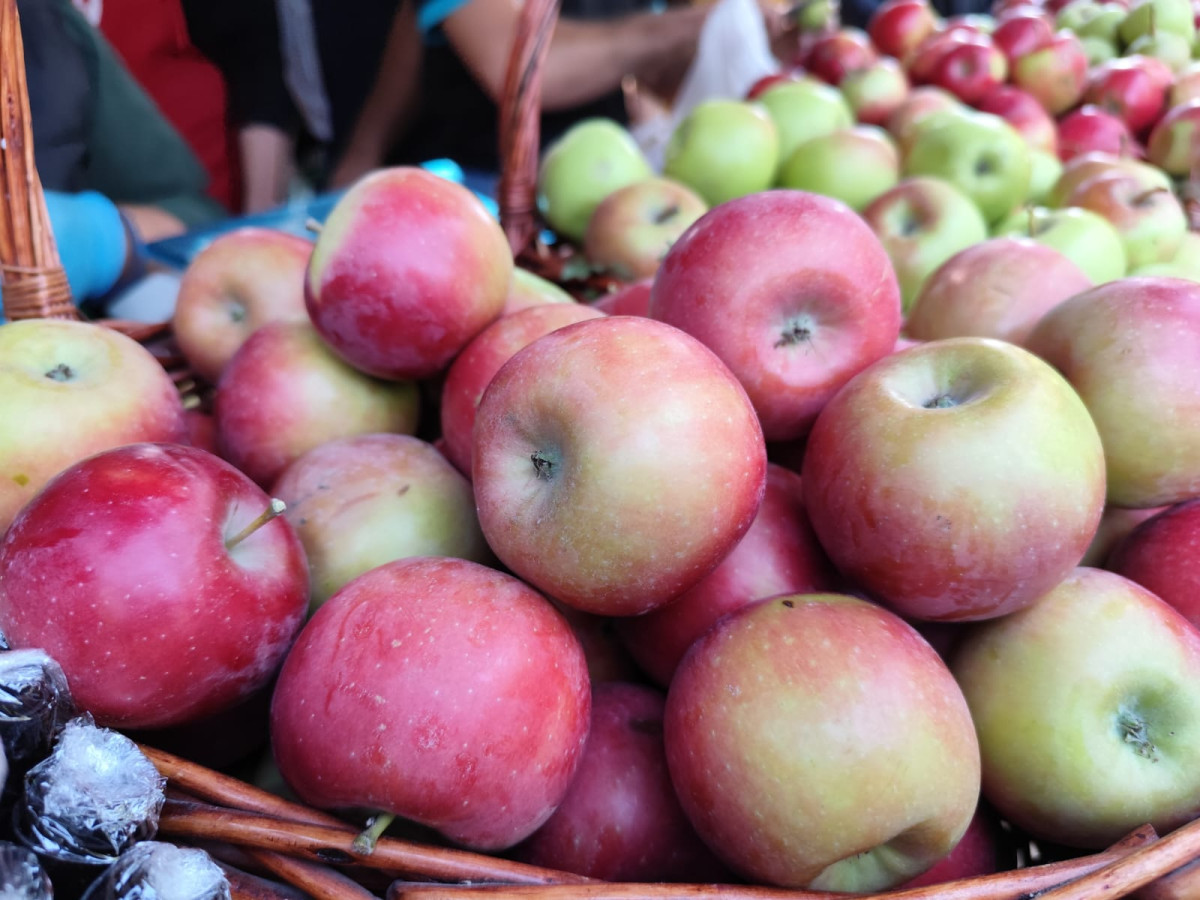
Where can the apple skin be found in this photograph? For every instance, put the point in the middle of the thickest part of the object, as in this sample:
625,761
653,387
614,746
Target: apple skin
1023,112
243,279
285,392
1126,87
1081,235
633,226
1089,128
1055,73
620,820
529,289
408,267
724,148
998,288
778,555
970,69
1162,554
616,462
1150,219
359,502
1171,141
875,92
854,165
155,622
1023,31
1081,169
473,369
802,110
75,388
1059,692
792,290
896,27
438,690
1129,349
981,851
797,779
922,103
1115,523
629,300
936,452
832,55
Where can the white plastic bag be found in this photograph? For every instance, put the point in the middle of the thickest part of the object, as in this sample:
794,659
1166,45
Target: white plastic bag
733,52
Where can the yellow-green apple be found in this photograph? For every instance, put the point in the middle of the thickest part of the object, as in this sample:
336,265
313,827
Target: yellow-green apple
850,783
792,290
620,819
832,54
1044,171
162,610
1085,167
1129,349
1023,112
936,452
998,288
1090,128
922,222
1149,218
922,102
875,92
243,279
1162,554
1172,142
985,848
1055,73
530,289
285,392
1098,49
1152,17
980,153
1021,31
805,109
896,27
438,690
633,226
1126,87
1173,49
68,390
590,160
778,555
632,299
361,501
1088,711
854,165
724,149
1100,26
408,267
473,369
1083,236
1115,523
616,462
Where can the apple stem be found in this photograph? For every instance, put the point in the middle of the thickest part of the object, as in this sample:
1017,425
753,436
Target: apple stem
61,372
1149,194
1031,216
274,510
543,465
1133,730
794,334
364,843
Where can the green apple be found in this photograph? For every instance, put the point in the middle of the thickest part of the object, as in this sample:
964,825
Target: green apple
1153,17
530,289
1173,49
1106,18
854,165
1184,264
724,149
1150,219
805,109
1083,236
1076,14
1045,168
980,153
1098,49
1087,705
588,162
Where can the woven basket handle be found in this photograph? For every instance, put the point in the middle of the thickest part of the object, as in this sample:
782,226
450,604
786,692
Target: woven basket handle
520,112
31,273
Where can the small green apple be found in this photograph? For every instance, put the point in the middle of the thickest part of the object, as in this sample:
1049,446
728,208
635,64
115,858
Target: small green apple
854,165
1151,17
724,149
1173,49
1045,170
1083,236
805,109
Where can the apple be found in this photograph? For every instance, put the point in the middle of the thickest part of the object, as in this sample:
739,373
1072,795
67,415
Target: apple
983,850
850,783
790,73
1173,49
1082,168
922,222
1115,523
1184,86
616,462
1098,50
162,610
408,267
896,27
936,452
1023,112
1083,236
1127,88
921,104
620,819
875,92
854,165
1102,24
70,389
1044,171
778,555
242,279
361,501
805,109
473,369
792,290
833,54
1090,128
1129,349
438,690
969,69
1160,554
724,148
530,289
1055,73
1150,219
632,299
1152,17
1171,143
590,160
1122,668
921,60
285,392
998,288
633,226
1021,32
979,153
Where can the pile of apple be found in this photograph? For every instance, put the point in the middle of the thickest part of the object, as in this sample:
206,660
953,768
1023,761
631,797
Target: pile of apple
769,566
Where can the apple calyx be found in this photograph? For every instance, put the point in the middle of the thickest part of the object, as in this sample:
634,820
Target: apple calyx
941,401
543,464
1134,732
61,372
365,841
663,216
797,332
274,510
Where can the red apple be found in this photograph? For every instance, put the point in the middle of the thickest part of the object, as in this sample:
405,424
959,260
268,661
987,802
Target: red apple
1080,169
1093,129
1022,31
982,851
1126,87
1173,145
629,300
794,315
616,462
832,55
158,611
243,279
408,267
439,690
473,369
969,69
897,26
1149,218
1115,523
1162,554
792,73
1023,112
1055,73
980,435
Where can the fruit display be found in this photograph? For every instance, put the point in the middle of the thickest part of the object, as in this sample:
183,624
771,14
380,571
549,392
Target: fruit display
840,539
